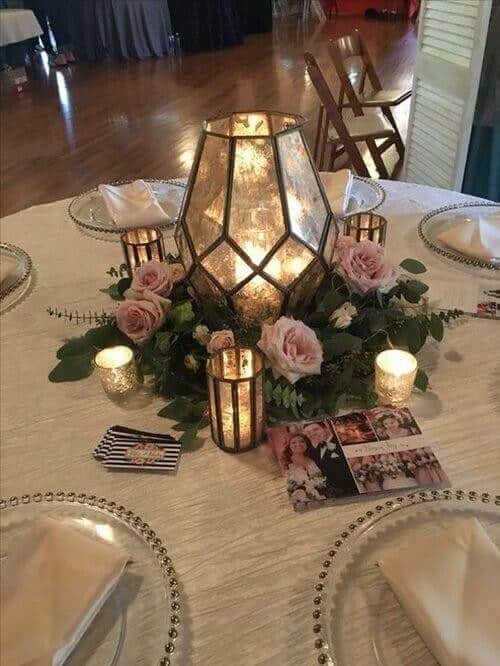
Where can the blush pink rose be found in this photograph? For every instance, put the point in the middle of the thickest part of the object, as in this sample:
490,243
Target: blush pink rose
140,319
155,276
292,348
220,340
365,267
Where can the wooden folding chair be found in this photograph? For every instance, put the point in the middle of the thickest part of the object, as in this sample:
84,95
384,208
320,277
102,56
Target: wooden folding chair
352,46
341,134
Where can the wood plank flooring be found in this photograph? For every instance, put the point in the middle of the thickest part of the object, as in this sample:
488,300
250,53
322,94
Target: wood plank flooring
92,123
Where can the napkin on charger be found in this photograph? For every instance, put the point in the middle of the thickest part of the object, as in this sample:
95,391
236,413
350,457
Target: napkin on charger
479,238
133,205
54,580
338,185
449,586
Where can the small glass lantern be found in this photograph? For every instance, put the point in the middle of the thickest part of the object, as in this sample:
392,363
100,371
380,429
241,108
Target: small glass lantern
366,226
236,397
255,232
142,245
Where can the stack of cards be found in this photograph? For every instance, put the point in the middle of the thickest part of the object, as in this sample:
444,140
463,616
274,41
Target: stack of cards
126,448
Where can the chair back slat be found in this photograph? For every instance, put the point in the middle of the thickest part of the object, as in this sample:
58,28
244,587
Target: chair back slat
333,114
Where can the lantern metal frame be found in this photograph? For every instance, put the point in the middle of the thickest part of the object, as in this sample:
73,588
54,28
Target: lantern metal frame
330,224
256,397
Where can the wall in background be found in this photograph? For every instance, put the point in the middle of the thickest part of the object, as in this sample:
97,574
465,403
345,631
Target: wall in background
360,6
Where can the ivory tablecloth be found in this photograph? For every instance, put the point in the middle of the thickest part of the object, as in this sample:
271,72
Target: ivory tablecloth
246,561
16,25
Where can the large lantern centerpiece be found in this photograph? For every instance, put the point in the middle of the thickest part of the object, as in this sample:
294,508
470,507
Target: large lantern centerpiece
256,231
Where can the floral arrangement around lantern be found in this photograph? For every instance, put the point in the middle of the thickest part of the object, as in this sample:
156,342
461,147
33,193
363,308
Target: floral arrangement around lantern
364,305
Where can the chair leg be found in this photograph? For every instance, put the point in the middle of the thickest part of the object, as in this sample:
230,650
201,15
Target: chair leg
319,131
377,158
400,147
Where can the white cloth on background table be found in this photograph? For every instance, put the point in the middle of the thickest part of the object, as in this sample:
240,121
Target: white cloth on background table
16,25
54,581
479,238
338,185
449,586
133,204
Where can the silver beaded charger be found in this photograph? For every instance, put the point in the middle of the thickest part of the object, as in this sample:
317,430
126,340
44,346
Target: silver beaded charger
356,619
141,621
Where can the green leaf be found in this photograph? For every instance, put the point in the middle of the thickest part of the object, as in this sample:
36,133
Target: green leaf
162,341
317,319
74,347
330,401
105,336
436,327
72,368
268,390
181,316
331,301
339,344
285,396
183,409
189,438
413,289
413,335
421,380
277,394
413,266
370,399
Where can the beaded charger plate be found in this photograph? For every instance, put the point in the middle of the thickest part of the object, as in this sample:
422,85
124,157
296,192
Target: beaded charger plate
443,219
356,618
17,282
140,622
89,212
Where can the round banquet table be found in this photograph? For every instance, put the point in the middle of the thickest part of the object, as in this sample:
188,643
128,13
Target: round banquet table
246,561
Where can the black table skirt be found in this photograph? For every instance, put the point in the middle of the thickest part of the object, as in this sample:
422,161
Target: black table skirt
208,25
120,29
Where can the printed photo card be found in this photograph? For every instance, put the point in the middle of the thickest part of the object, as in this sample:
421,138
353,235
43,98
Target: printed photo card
379,450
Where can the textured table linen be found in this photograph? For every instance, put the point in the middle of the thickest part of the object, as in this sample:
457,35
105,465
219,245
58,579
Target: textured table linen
246,561
16,25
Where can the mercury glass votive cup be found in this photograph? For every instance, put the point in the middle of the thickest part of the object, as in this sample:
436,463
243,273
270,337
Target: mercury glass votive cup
366,226
142,245
395,372
117,370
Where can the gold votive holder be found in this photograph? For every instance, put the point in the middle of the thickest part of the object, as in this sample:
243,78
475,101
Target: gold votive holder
117,370
395,372
236,397
366,226
142,245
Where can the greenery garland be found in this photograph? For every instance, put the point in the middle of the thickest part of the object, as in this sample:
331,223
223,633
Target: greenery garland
176,355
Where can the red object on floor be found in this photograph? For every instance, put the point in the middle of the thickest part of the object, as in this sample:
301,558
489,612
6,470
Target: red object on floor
413,9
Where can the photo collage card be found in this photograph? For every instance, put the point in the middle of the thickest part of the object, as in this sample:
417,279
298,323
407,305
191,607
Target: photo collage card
370,451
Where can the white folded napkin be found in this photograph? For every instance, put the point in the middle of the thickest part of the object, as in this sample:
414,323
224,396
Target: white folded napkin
54,580
133,205
478,238
449,586
338,185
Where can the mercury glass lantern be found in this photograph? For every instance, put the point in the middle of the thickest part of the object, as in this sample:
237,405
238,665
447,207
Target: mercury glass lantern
255,232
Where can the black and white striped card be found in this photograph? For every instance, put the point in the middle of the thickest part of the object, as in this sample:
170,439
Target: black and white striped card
126,449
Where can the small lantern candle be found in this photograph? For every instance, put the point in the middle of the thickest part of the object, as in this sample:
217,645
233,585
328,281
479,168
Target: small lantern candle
236,397
142,245
366,226
395,372
117,370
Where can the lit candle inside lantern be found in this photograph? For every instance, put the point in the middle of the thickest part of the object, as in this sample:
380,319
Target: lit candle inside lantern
395,372
366,226
142,245
236,398
117,370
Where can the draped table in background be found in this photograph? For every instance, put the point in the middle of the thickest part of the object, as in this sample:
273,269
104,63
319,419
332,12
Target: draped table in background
120,29
246,561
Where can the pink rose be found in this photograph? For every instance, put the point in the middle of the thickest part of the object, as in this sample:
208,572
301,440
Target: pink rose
155,276
292,348
365,267
140,319
220,340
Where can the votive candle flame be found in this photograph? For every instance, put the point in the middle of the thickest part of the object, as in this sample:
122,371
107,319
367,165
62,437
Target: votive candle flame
395,372
117,370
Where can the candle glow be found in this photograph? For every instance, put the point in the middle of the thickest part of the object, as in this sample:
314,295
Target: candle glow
117,370
395,372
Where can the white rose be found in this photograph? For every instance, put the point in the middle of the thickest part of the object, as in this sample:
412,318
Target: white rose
202,334
342,316
191,363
